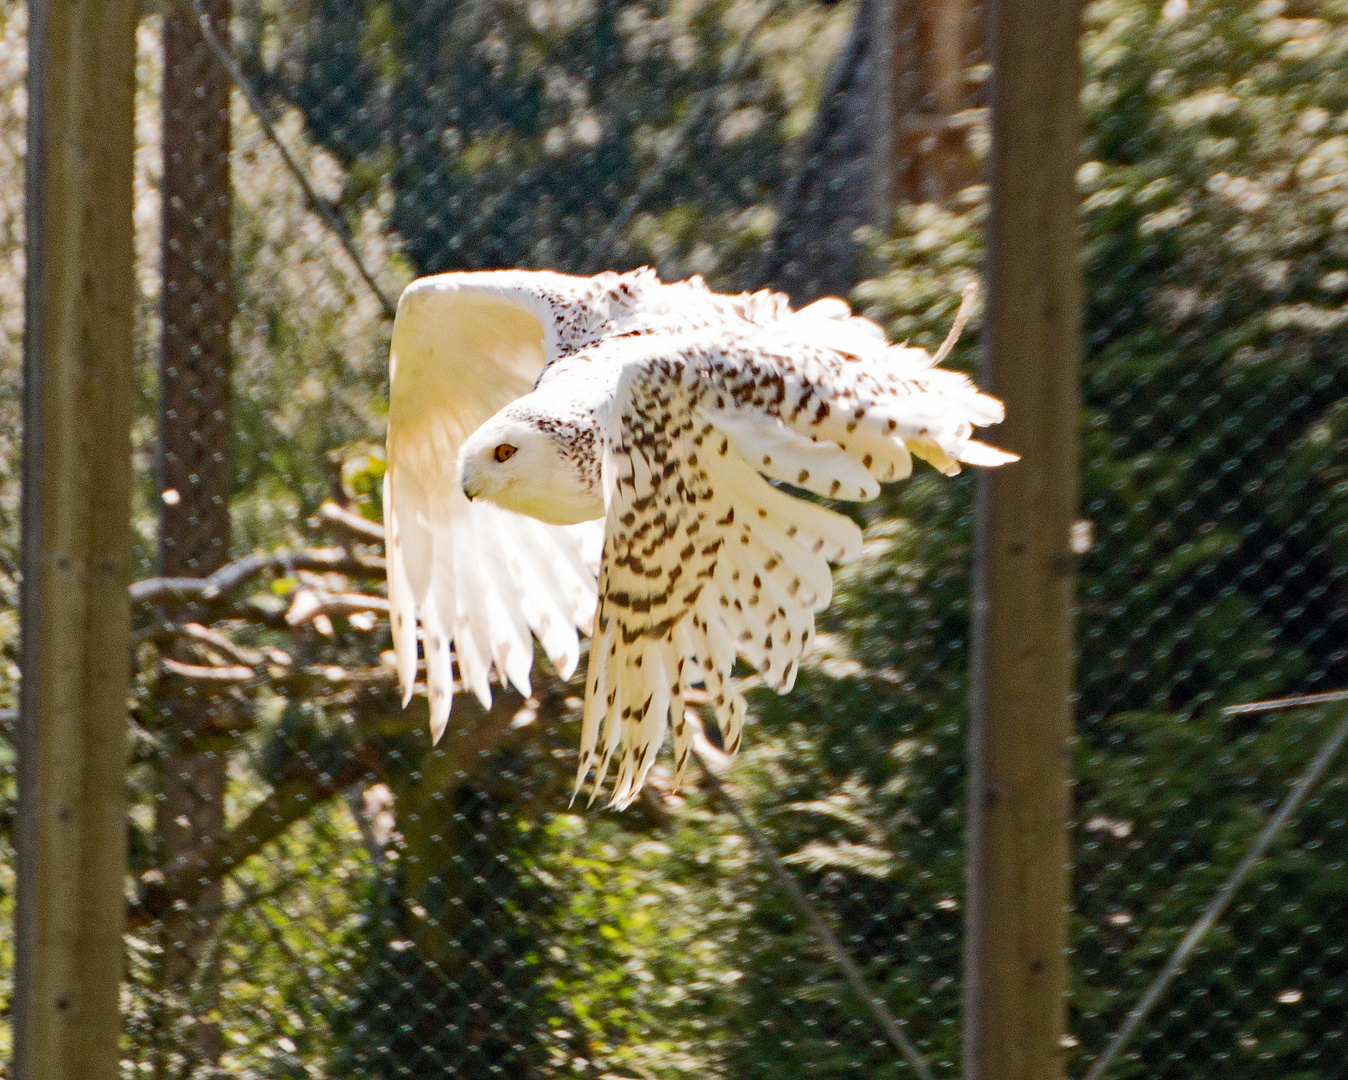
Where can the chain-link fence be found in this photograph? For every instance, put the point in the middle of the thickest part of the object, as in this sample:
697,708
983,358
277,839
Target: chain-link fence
317,891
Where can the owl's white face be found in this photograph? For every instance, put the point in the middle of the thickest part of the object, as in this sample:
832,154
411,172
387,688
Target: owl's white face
515,461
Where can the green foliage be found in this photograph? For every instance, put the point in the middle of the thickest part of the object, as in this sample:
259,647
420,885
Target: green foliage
512,134
1212,471
1215,202
504,935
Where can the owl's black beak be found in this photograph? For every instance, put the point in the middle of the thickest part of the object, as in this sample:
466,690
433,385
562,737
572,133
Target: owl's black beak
469,480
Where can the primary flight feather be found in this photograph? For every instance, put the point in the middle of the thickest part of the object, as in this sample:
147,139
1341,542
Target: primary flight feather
598,455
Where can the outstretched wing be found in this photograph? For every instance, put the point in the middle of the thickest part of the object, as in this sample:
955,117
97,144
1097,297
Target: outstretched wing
705,560
482,579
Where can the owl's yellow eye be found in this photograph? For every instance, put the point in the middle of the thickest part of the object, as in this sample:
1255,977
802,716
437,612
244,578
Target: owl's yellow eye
504,452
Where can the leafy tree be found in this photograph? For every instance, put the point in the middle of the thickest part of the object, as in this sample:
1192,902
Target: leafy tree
513,135
1213,443
1214,436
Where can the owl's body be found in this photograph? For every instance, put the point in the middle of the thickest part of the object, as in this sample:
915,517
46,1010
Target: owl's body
665,411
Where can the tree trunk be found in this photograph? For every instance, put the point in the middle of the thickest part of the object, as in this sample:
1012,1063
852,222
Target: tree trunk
1021,708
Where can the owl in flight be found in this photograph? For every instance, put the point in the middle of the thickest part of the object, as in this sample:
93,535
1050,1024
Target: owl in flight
546,431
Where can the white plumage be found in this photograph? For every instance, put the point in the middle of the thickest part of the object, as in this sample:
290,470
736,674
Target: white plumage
536,416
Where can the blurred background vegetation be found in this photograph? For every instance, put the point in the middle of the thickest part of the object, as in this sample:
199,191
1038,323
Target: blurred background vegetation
445,912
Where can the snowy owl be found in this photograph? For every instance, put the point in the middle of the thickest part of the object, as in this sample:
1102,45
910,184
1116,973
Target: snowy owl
546,431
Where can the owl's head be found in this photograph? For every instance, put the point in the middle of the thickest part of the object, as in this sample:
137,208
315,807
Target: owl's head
534,464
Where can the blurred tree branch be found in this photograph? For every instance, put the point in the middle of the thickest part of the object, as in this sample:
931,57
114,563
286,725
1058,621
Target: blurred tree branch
164,590
305,778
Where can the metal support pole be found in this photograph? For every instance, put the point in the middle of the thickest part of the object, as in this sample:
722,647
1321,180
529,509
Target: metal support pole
71,832
1016,971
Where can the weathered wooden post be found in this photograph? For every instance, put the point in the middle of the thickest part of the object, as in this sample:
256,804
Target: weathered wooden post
1016,970
195,458
71,830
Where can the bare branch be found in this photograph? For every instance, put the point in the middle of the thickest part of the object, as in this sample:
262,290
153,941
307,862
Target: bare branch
232,575
348,521
190,874
374,847
295,797
310,603
213,639
318,679
209,678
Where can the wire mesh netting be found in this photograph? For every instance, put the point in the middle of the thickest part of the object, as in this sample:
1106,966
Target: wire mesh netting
317,891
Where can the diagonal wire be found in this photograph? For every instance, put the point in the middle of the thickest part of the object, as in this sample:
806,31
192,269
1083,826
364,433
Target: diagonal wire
874,1003
316,201
676,146
1219,903
841,74
1301,701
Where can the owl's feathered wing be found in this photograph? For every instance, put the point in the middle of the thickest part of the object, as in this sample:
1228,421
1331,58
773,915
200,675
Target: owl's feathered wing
483,580
704,560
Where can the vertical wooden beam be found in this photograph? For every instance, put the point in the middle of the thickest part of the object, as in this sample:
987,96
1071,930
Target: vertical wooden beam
884,89
71,834
197,304
1015,977
195,456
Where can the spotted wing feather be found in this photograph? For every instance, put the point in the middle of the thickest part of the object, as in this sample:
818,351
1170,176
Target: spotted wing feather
704,560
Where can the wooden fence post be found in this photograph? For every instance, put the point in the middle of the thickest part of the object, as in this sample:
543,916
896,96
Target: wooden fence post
71,829
1019,813
196,464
